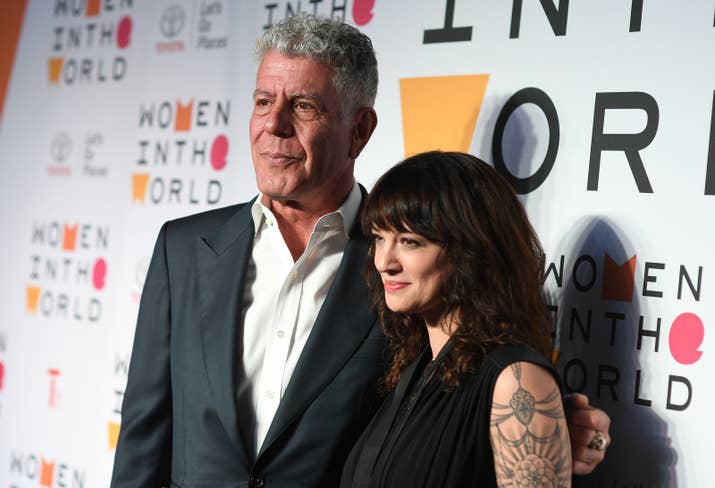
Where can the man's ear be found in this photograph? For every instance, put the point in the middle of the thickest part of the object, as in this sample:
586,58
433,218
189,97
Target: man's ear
363,124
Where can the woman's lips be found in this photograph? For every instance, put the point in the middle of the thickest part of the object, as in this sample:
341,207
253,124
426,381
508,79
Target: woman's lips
393,286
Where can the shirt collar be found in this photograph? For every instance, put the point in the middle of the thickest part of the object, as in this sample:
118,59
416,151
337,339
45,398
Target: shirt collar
344,216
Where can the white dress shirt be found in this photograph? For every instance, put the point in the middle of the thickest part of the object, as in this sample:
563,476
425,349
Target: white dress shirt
281,301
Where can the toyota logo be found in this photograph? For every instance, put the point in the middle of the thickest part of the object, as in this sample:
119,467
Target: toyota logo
61,147
172,21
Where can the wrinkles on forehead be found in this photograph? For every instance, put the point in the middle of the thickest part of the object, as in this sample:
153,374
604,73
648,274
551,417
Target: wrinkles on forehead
258,92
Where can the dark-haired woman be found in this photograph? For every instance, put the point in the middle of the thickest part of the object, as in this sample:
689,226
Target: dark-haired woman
457,282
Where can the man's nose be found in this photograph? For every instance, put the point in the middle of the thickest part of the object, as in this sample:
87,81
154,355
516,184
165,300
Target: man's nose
279,120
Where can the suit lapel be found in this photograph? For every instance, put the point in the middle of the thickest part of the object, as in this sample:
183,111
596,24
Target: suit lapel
222,261
342,323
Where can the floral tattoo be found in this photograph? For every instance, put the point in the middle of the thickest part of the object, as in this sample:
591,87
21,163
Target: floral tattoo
529,439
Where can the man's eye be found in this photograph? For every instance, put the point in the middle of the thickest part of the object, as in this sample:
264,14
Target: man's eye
262,106
305,110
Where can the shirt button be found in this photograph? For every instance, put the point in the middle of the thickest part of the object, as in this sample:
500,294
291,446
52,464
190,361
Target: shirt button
255,482
270,394
294,275
280,334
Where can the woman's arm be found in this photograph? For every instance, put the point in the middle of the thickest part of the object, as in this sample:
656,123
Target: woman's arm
528,429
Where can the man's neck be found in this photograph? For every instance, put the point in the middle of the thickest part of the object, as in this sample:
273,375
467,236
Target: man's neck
296,221
295,226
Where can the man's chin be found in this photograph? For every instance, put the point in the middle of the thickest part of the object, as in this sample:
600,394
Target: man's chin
282,198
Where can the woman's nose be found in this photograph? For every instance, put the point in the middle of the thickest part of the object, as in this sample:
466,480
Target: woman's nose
385,259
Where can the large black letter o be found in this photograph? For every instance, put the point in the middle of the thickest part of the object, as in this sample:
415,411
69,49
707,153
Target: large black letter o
541,100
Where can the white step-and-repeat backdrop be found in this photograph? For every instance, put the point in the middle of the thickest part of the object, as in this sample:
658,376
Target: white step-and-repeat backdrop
121,114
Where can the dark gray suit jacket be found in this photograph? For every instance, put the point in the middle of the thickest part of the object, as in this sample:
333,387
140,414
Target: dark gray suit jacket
180,419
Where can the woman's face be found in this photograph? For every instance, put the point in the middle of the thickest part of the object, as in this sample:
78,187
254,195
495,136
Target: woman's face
412,271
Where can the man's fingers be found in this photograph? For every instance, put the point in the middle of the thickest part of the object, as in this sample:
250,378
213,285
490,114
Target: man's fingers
584,422
585,459
590,418
580,436
581,468
576,400
583,437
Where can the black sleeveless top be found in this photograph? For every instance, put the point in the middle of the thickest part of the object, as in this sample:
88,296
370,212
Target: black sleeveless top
425,436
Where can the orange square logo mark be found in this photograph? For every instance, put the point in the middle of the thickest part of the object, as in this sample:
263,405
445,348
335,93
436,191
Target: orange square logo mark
182,122
140,182
618,280
47,472
32,298
54,69
69,238
440,112
93,7
113,434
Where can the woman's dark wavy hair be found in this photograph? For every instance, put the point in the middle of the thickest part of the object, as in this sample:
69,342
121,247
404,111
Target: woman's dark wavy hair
494,261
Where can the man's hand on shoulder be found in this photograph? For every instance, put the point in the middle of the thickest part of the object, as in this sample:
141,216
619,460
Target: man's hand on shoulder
588,429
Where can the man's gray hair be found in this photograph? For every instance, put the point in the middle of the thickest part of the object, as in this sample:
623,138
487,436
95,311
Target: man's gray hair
341,46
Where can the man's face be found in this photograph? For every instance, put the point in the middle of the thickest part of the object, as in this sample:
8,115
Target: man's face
299,142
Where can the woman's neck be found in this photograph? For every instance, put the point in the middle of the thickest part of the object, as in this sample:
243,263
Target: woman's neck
439,331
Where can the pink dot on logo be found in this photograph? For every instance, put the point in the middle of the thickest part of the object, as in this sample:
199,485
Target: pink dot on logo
124,31
362,11
219,150
2,374
686,336
99,273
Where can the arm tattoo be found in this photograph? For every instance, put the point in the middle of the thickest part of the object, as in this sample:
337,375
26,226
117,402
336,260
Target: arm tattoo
530,440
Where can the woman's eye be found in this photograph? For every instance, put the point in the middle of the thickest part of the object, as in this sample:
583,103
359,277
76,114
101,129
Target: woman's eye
410,242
